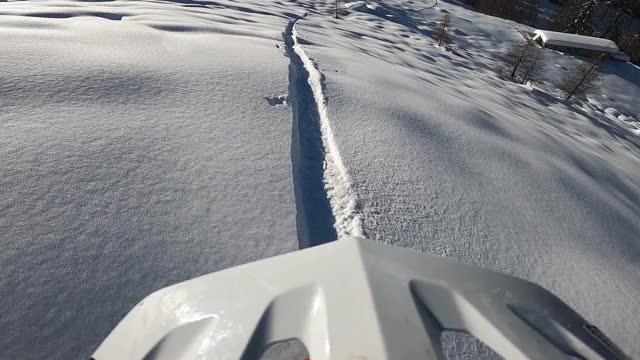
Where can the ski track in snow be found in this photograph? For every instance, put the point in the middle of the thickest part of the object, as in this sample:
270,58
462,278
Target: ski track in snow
328,207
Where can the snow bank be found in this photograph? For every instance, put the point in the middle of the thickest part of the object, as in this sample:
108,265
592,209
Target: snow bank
336,181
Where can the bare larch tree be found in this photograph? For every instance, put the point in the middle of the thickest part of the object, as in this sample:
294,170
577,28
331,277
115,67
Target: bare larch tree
583,79
443,31
532,70
522,61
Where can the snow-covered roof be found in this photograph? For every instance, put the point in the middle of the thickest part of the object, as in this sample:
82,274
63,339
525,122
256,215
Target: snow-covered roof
576,41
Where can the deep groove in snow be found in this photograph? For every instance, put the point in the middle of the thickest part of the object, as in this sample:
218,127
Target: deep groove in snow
327,206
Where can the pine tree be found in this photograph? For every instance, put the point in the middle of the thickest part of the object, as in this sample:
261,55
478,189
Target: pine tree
632,48
472,3
614,32
582,80
530,12
563,19
585,21
604,10
624,7
525,11
443,31
499,8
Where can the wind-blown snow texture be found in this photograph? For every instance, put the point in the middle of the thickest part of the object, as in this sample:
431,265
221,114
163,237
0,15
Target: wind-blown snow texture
137,151
144,143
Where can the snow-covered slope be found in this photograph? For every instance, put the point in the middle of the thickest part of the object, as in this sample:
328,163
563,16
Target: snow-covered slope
137,150
140,150
449,158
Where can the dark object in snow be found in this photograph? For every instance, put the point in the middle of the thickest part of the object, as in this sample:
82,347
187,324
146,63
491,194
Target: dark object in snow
276,100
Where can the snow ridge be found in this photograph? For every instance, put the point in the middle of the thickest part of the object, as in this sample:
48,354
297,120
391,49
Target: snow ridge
336,181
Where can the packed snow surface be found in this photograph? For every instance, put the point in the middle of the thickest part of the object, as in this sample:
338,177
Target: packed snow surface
147,142
337,184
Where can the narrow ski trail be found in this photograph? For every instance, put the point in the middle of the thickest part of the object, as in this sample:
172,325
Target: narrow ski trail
327,206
